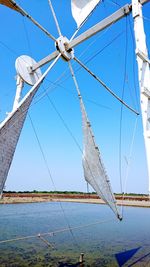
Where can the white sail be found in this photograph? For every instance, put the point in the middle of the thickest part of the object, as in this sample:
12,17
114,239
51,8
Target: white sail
94,171
10,131
10,128
81,9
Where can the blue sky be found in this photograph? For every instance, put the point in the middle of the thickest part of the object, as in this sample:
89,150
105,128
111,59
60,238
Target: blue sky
106,54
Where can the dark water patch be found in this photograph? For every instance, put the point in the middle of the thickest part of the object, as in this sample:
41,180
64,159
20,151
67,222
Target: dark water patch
99,242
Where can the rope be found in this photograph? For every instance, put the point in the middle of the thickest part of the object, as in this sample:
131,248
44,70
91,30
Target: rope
65,124
148,19
105,86
24,13
63,74
41,149
134,131
113,3
100,160
45,241
129,162
54,232
51,178
83,22
121,115
88,60
44,157
102,49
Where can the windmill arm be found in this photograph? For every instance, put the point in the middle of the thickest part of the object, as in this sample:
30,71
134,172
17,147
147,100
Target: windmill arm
119,14
13,5
125,10
45,60
105,86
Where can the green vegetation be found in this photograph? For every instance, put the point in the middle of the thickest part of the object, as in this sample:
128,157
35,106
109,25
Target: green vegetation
68,192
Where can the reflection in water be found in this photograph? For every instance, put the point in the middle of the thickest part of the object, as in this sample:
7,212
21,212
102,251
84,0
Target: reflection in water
99,242
124,256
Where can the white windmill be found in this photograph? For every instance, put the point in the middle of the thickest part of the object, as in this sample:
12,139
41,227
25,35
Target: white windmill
28,71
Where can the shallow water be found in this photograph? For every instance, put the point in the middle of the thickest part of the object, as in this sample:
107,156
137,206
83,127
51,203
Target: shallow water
98,241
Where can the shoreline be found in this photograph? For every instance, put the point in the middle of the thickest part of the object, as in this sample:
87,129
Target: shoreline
38,199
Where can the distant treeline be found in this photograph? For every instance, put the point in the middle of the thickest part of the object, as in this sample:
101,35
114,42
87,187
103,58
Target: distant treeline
68,192
48,192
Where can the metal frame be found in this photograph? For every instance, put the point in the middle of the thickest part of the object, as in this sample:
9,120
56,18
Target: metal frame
143,74
119,14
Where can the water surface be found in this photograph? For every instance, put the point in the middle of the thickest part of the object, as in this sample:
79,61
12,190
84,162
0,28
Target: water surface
98,241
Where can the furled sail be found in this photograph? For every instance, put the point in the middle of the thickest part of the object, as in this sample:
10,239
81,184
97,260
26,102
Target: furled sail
10,130
94,171
81,9
11,4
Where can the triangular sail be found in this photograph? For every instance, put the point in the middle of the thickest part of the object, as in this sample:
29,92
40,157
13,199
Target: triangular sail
94,171
10,131
10,128
81,9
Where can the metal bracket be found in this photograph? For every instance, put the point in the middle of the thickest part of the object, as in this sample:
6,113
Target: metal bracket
146,92
136,8
142,56
62,46
148,134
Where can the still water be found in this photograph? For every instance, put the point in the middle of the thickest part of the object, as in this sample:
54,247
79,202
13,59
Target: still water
98,241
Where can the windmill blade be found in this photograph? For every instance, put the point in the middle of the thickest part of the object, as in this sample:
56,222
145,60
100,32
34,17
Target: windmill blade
94,171
81,9
10,129
13,5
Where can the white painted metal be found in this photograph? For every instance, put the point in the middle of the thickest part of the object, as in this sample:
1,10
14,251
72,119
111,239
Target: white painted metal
125,10
119,14
62,46
55,18
101,25
144,75
24,66
44,61
19,84
10,129
142,56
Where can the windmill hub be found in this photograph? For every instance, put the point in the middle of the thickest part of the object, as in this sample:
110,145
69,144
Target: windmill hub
62,46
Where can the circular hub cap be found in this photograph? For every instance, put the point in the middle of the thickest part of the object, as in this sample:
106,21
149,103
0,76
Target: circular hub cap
62,47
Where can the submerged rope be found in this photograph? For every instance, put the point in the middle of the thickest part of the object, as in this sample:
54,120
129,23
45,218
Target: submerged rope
54,232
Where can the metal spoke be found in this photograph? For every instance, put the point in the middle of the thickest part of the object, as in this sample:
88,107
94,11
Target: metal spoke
45,61
119,14
24,13
105,86
55,18
74,79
